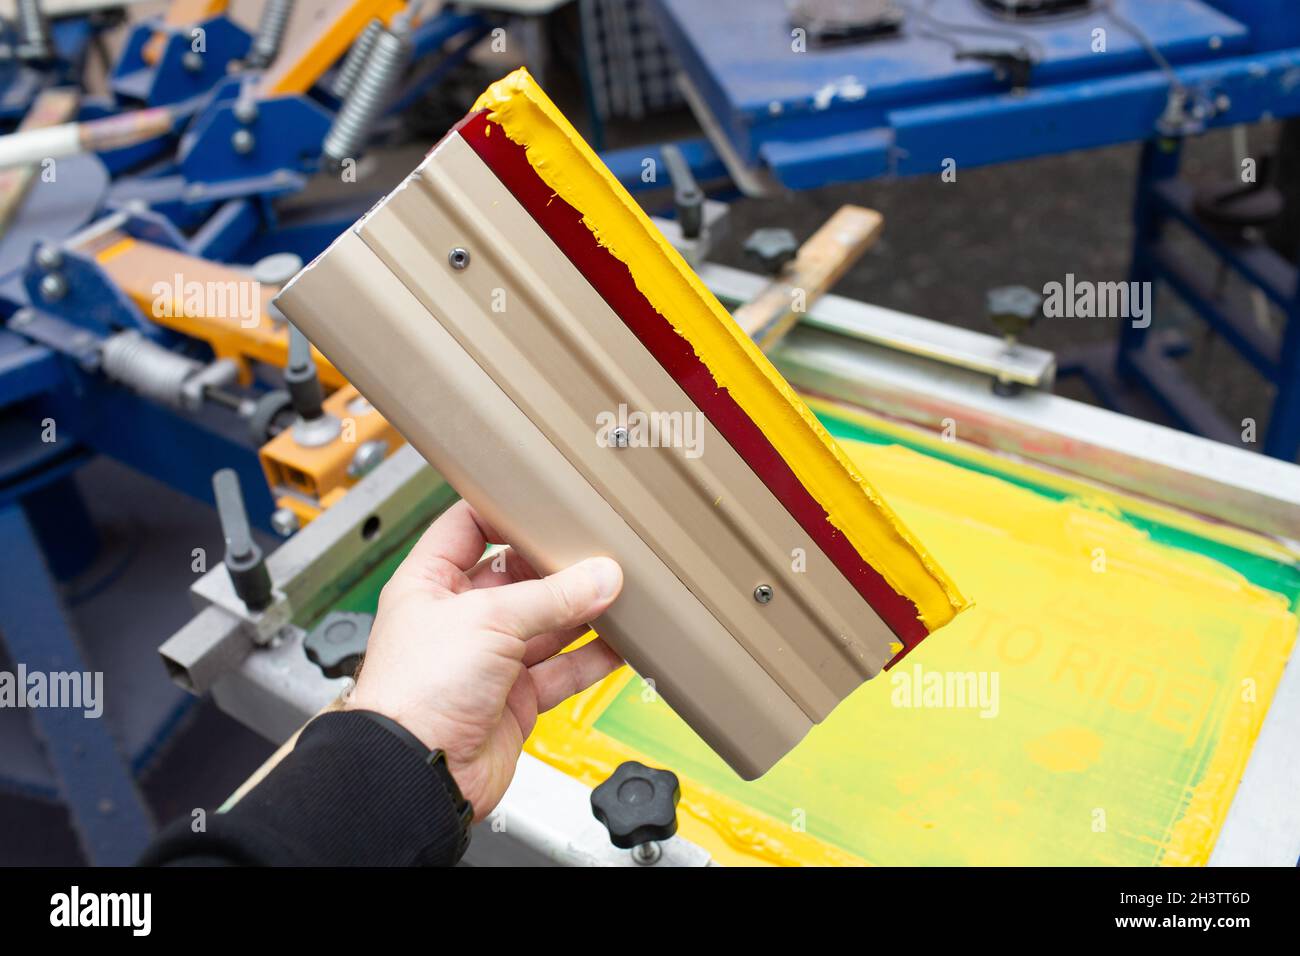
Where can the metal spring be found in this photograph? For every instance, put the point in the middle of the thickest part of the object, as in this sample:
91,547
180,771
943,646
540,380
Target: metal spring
356,59
146,367
369,97
33,30
270,31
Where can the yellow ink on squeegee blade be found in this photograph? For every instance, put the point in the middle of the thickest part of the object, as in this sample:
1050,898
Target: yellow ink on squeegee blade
573,171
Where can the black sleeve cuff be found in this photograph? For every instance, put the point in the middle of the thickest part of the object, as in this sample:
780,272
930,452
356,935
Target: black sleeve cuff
357,790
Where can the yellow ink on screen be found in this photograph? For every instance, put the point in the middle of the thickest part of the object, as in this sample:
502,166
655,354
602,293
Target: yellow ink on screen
1119,731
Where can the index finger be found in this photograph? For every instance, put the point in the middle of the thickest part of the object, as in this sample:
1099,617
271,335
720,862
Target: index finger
449,547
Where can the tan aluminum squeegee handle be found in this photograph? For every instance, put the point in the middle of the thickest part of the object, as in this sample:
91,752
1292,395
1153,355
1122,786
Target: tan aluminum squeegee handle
503,403
448,408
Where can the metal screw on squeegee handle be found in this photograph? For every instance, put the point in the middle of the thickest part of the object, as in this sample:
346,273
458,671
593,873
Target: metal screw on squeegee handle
458,258
638,806
763,594
244,559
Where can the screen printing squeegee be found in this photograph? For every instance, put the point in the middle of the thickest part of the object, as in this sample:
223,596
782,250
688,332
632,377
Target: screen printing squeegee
525,326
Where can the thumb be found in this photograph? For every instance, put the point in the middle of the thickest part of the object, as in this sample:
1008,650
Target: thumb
576,595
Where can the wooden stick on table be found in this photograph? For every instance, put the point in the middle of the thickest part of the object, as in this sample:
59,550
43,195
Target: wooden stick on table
818,265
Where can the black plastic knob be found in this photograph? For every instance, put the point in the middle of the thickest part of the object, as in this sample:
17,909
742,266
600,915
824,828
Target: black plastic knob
1013,308
771,247
271,414
337,644
637,804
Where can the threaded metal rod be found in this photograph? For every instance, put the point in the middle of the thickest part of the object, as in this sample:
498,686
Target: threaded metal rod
270,32
148,368
369,97
33,31
355,61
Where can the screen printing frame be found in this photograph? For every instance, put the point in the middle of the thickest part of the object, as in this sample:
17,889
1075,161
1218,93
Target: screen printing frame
273,688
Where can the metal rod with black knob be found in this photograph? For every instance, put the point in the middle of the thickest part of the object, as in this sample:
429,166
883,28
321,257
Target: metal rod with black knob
244,558
1012,309
315,427
688,198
